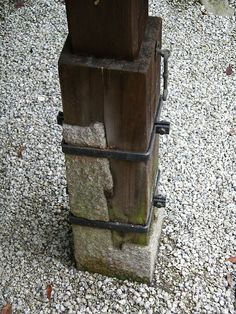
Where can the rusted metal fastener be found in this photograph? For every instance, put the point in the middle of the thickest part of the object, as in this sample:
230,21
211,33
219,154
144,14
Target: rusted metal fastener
165,54
159,201
60,118
162,127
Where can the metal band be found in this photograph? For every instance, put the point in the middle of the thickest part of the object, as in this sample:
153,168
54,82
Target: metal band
118,226
104,153
116,154
114,226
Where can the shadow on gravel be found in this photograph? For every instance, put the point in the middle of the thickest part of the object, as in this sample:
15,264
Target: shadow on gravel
42,230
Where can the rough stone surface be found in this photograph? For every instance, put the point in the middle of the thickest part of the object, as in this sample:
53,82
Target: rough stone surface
95,252
91,136
89,179
218,7
89,182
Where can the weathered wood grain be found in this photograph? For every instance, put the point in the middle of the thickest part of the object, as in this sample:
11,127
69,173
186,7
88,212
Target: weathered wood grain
134,185
111,29
121,94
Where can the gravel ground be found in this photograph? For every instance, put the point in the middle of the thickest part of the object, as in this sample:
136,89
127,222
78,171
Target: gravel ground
198,171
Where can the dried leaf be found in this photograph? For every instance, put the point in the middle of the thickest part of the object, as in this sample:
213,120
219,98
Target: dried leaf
232,259
20,151
232,131
205,12
19,4
49,292
229,279
229,70
7,309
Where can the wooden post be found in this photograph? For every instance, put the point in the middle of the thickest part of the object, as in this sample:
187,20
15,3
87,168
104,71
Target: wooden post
110,29
110,83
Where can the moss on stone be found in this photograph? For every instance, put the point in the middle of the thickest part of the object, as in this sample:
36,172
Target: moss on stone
121,238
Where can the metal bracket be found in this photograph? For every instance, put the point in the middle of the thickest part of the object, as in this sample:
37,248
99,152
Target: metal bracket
159,201
60,118
162,127
118,226
165,54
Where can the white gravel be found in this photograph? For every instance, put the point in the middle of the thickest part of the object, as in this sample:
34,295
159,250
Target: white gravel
198,171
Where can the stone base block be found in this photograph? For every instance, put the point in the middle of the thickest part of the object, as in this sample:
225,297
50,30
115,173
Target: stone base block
94,252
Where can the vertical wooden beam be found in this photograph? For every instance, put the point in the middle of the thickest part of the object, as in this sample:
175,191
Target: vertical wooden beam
110,29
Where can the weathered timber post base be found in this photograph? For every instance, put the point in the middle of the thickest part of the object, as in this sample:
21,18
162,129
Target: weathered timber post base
111,127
